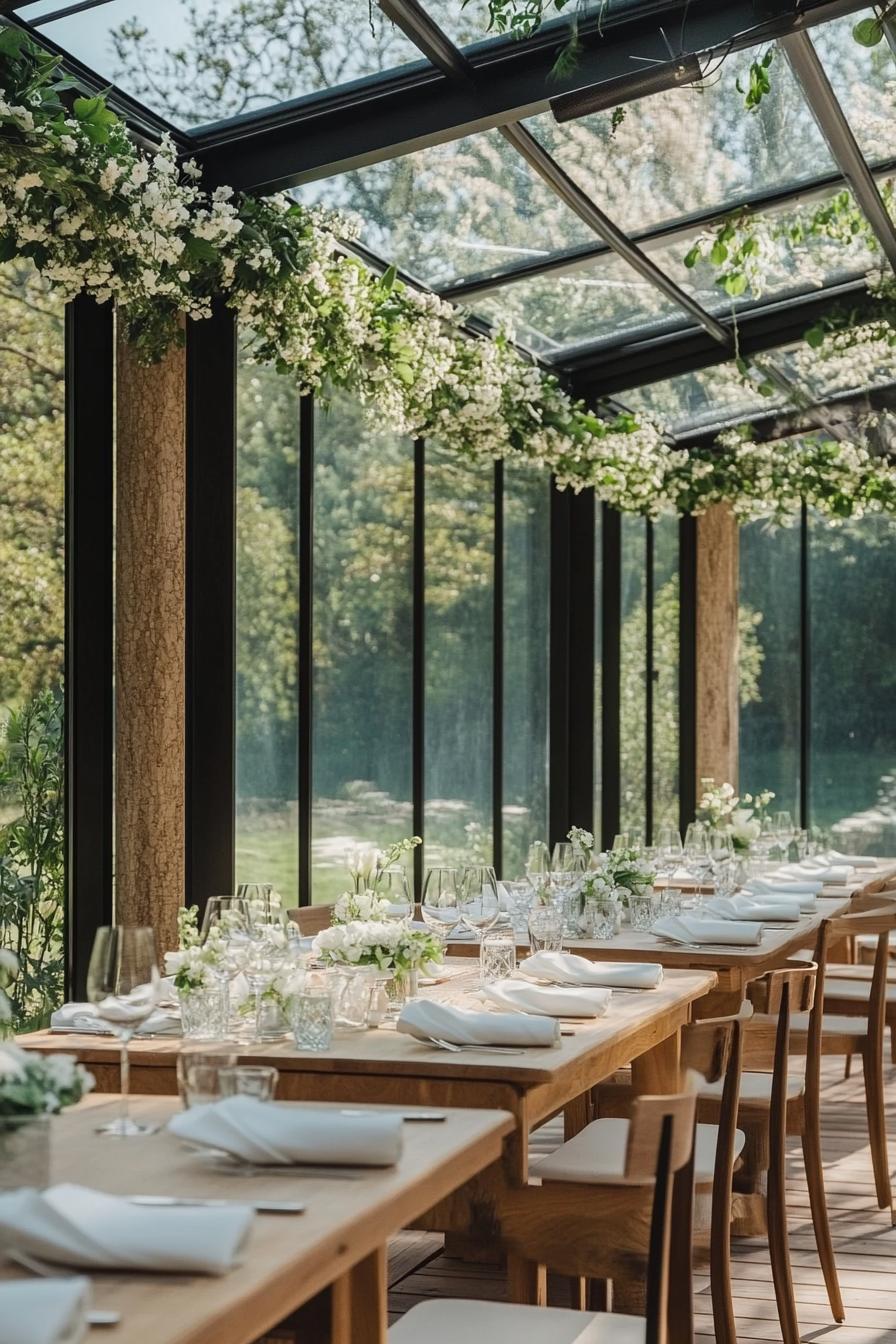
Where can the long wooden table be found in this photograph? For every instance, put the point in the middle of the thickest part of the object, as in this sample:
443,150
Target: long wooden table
641,1028
338,1243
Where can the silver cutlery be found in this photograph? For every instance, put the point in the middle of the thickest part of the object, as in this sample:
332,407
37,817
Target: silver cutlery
259,1205
42,1270
458,1049
291,1169
415,1117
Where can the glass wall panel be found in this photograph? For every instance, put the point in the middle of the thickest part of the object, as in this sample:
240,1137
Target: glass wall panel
633,672
852,581
267,586
598,669
32,624
459,544
666,590
527,565
770,662
362,649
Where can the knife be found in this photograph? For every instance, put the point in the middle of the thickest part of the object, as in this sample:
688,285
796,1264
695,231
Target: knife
259,1205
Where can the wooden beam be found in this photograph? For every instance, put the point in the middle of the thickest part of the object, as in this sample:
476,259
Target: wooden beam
717,645
150,641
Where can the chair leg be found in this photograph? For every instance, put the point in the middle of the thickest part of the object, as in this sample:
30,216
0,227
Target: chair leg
778,1245
893,1042
847,1067
872,1066
815,1180
720,1269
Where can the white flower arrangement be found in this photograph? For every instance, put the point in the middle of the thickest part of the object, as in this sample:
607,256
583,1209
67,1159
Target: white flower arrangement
582,842
721,808
366,863
388,946
625,872
195,965
360,905
32,1084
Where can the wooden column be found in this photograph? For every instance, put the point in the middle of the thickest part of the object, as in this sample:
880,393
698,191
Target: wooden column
150,642
717,645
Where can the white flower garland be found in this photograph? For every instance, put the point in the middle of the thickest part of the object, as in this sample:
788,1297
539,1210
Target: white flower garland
96,215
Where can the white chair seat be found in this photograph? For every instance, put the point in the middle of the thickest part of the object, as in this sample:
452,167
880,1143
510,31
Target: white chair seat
755,1087
831,1025
870,940
596,1156
449,1322
857,991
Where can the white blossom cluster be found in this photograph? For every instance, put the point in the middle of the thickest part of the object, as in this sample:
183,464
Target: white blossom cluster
32,1084
363,905
389,946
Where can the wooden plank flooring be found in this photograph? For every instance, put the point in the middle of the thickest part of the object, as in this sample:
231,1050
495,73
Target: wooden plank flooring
864,1240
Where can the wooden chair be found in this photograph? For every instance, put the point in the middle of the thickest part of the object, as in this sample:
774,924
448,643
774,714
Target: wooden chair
311,918
772,1105
711,1049
854,1024
660,1144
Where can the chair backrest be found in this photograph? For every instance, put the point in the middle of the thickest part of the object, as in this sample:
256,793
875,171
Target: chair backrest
661,1143
311,918
877,918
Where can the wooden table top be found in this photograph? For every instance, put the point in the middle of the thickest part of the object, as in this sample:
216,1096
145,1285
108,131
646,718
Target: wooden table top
385,1051
289,1259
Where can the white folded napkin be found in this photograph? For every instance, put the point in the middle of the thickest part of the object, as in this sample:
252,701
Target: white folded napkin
425,1019
46,1311
565,968
687,929
854,860
281,1134
83,1017
74,1225
784,889
823,872
518,996
745,907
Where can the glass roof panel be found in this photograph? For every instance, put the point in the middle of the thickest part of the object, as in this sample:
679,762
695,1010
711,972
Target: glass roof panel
689,150
453,210
704,399
198,61
864,80
602,297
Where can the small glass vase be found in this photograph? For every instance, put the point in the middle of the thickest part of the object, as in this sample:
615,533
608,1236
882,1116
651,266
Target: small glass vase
400,988
24,1151
270,1020
205,1013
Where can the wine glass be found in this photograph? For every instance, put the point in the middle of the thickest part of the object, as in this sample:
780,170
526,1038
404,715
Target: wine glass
263,902
440,905
267,953
123,984
230,914
479,903
784,829
698,853
564,858
538,865
620,841
392,886
669,850
721,849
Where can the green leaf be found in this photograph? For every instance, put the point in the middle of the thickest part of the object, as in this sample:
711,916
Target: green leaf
815,336
719,253
387,280
692,257
868,32
735,284
404,373
200,249
13,41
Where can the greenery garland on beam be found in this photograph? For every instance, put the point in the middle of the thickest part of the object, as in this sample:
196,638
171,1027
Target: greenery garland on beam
97,215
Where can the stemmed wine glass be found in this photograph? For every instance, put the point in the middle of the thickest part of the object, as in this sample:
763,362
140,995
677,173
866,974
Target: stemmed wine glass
698,855
230,914
538,865
392,885
479,903
440,904
123,984
669,851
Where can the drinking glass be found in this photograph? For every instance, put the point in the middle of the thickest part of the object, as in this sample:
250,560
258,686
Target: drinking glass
668,851
263,903
642,911
538,865
670,902
479,903
202,1058
545,929
564,858
784,829
598,919
520,896
266,955
123,984
249,1080
392,885
311,1016
440,903
697,852
201,1085
497,956
620,841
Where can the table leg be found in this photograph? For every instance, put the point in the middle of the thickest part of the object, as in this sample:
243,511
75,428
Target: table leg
526,1281
359,1311
576,1115
658,1070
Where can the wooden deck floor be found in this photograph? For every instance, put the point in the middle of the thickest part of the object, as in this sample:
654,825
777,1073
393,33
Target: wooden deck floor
864,1240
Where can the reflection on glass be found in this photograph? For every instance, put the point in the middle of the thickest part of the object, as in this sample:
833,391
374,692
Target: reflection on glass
716,396
362,693
267,584
32,625
632,679
862,79
666,589
769,661
527,517
458,683
852,793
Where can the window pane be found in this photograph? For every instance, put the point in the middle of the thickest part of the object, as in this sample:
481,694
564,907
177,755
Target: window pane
770,662
32,623
666,590
862,78
633,666
267,586
598,670
852,572
527,539
363,556
710,397
459,547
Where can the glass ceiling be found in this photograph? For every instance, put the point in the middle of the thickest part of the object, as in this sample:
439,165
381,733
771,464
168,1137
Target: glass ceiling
469,210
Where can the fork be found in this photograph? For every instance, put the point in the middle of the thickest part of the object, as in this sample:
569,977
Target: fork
42,1270
489,1049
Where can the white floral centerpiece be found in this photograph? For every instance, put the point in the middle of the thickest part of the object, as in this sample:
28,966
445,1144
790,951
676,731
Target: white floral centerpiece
200,978
32,1088
582,842
360,905
365,864
390,947
722,809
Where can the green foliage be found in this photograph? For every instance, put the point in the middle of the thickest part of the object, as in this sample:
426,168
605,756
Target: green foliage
32,855
758,82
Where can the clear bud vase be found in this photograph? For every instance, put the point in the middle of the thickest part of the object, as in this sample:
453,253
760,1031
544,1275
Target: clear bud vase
205,1013
400,987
